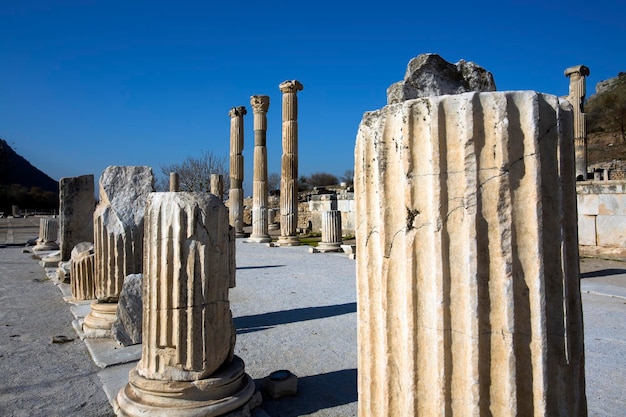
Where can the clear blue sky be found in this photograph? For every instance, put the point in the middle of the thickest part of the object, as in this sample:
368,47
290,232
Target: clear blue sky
88,84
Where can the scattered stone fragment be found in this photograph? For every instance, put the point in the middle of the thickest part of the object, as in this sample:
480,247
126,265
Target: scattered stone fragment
61,339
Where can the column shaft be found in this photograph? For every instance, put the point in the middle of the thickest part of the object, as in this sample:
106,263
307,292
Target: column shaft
260,106
235,193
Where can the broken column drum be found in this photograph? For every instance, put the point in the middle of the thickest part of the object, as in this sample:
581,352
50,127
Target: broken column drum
118,239
467,258
331,231
235,192
82,272
187,367
289,165
260,106
577,91
217,185
48,235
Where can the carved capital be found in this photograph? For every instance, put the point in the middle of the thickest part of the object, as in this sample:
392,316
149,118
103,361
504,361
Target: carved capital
578,71
291,86
237,111
260,104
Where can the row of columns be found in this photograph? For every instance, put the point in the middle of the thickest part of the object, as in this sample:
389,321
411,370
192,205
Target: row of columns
289,167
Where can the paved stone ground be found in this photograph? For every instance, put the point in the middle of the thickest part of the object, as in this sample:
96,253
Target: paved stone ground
293,310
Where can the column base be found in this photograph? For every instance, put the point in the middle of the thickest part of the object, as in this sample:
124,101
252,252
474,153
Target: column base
45,246
273,226
241,234
99,321
329,247
226,392
288,241
259,238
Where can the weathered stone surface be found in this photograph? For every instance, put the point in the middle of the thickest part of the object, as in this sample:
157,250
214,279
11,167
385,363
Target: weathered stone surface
48,235
235,196
289,164
127,327
467,263
260,105
118,225
577,91
331,232
82,272
187,367
76,207
429,75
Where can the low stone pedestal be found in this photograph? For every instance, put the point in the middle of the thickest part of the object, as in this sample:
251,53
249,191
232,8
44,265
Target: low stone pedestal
280,384
48,234
331,232
99,321
227,391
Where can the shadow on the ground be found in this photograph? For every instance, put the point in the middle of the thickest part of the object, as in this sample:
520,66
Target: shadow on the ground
602,273
248,324
316,392
260,266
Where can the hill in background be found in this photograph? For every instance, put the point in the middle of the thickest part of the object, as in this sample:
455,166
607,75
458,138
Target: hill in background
606,124
24,185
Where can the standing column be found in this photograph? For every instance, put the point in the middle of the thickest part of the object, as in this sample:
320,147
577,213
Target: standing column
331,231
187,365
48,235
289,177
468,287
260,106
235,193
217,185
577,91
118,240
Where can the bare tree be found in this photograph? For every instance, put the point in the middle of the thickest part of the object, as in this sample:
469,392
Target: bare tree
273,182
348,177
317,179
195,172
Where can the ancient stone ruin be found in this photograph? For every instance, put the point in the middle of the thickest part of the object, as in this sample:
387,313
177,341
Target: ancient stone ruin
577,91
48,235
260,105
82,271
429,75
235,192
118,240
467,262
187,366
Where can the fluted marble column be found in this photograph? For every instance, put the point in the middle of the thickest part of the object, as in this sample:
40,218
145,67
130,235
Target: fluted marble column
577,91
289,174
187,366
217,185
331,231
467,258
118,240
82,274
235,192
260,106
48,235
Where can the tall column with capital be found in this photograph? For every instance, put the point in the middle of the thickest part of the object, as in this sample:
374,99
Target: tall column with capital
260,106
577,91
289,174
235,193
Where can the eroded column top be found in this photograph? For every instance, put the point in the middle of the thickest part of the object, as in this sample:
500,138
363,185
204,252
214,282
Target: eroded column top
580,70
260,103
237,111
291,86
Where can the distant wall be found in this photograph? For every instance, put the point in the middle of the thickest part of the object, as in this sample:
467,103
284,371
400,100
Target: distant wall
342,201
602,217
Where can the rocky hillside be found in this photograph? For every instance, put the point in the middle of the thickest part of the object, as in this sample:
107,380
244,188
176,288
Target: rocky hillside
606,124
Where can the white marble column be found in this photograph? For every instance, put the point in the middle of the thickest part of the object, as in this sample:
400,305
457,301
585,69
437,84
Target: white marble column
48,235
235,192
577,91
82,275
187,366
260,106
289,170
468,286
331,231
217,185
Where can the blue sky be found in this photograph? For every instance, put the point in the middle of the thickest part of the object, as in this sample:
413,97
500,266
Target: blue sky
88,84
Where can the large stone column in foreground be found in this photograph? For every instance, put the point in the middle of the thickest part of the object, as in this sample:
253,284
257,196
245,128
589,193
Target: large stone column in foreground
260,106
577,91
289,175
118,240
467,260
187,367
235,192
